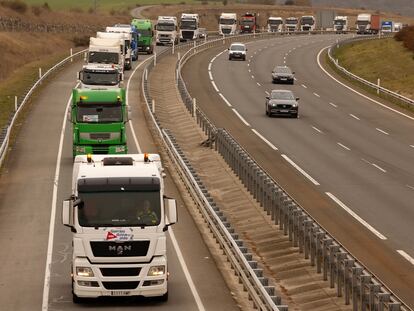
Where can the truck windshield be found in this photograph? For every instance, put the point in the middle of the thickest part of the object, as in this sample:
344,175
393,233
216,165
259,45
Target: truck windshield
145,33
275,22
119,209
103,58
225,21
307,21
237,48
100,78
339,22
247,22
362,23
98,113
291,22
165,27
190,24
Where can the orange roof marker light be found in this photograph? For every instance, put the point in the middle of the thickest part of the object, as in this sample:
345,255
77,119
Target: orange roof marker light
89,158
146,157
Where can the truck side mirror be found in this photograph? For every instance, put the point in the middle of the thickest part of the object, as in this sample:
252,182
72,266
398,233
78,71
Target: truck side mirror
128,112
67,213
69,116
121,76
170,206
85,57
297,98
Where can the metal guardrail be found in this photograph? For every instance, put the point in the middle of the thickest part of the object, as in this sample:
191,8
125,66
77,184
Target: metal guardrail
263,296
379,89
352,279
5,133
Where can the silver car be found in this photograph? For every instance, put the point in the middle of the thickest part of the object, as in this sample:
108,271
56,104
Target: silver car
282,103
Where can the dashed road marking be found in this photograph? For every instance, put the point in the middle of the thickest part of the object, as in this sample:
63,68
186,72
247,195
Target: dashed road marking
300,170
343,146
406,256
303,85
382,131
258,84
267,93
316,94
209,66
333,105
210,75
316,129
353,214
240,117
215,86
265,140
252,77
379,167
354,116
225,100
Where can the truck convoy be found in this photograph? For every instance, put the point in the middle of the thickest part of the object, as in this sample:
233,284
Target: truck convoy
228,24
189,27
291,24
118,214
274,24
145,34
166,30
368,23
106,51
248,23
341,24
98,117
307,23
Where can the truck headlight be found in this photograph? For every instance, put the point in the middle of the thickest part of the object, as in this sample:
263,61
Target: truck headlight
156,271
84,271
120,149
80,149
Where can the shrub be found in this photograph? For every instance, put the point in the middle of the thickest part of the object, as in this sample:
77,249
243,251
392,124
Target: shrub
36,10
289,2
80,40
46,6
15,5
406,35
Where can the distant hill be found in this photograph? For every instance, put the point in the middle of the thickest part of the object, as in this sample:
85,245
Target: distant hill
403,7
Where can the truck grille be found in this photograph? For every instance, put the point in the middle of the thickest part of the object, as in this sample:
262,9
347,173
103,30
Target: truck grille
101,149
120,285
120,249
226,30
188,34
120,271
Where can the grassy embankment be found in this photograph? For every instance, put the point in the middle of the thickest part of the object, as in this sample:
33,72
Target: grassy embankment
386,59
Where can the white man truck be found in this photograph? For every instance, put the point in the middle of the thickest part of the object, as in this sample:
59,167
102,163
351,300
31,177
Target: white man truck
96,76
291,24
106,51
166,30
126,44
274,24
340,24
189,27
307,23
228,24
118,214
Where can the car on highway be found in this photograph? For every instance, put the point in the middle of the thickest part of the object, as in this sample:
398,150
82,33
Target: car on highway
237,50
282,103
283,74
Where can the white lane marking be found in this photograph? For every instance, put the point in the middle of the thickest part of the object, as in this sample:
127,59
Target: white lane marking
379,167
225,100
248,64
127,97
411,187
350,88
301,170
412,146
215,86
267,93
353,214
185,270
354,116
254,53
250,70
49,254
303,85
343,146
316,129
240,117
258,84
265,140
295,79
209,66
252,77
210,75
333,105
382,131
406,256
316,94
284,61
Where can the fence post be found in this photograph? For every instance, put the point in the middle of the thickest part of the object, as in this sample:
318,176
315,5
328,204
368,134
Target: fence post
15,103
173,47
378,85
194,107
71,54
155,59
153,106
40,72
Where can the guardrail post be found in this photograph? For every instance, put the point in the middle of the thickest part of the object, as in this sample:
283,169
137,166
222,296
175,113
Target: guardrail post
40,73
394,306
373,292
153,106
365,279
155,59
333,249
71,54
356,273
224,41
349,263
326,243
378,85
173,48
179,57
382,298
146,74
15,103
340,272
194,107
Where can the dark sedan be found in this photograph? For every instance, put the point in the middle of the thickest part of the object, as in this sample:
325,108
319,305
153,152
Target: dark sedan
283,74
282,103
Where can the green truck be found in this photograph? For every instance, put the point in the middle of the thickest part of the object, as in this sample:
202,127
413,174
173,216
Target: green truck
146,34
98,117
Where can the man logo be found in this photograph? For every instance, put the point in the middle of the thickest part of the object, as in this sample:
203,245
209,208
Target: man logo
120,249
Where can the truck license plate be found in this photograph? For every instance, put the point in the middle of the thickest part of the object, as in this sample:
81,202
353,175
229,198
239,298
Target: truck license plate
120,293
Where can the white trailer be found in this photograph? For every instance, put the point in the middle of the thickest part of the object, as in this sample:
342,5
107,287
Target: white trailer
126,38
118,214
106,51
340,24
228,24
189,27
166,30
274,24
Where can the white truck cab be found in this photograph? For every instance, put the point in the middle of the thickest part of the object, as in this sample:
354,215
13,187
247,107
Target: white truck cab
274,24
189,27
106,51
228,24
291,24
100,76
166,30
118,214
341,24
307,23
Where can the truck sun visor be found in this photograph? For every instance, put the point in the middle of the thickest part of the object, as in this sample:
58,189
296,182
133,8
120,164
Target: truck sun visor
102,184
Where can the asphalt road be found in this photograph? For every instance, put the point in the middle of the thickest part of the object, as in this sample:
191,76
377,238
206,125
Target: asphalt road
346,160
27,199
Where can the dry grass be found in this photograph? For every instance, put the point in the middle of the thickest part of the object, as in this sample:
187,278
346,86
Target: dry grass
386,59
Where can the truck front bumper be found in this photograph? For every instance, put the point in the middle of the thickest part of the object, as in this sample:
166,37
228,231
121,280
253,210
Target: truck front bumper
110,279
99,149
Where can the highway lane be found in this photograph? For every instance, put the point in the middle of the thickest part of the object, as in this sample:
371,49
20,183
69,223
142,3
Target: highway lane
26,185
344,157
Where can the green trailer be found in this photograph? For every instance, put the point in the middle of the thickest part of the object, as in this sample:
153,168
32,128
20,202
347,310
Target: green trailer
99,118
146,34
